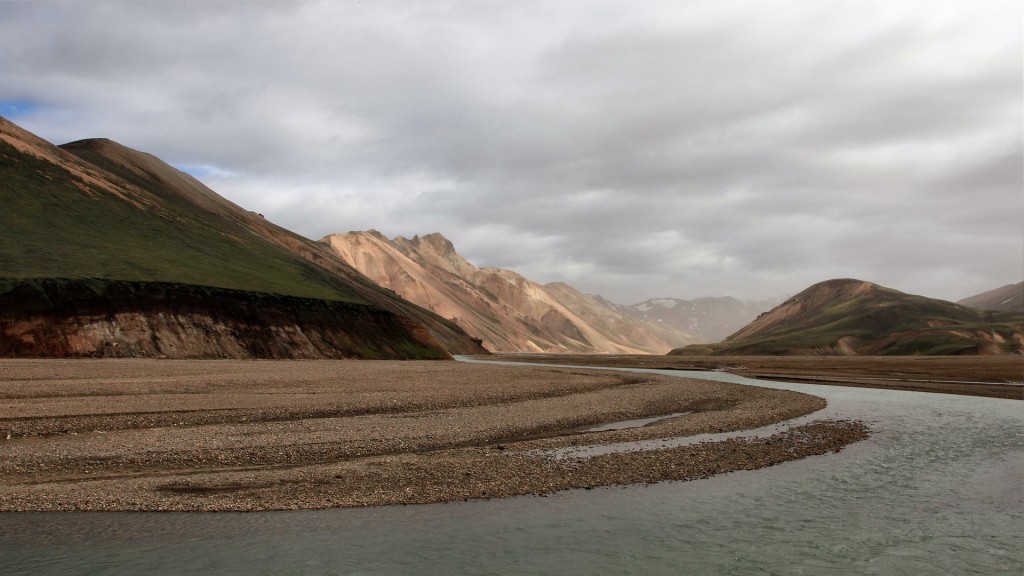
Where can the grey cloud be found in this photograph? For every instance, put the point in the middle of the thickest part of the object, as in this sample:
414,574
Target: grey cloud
634,150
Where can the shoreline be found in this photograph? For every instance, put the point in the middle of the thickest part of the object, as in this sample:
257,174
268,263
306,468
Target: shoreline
149,435
988,376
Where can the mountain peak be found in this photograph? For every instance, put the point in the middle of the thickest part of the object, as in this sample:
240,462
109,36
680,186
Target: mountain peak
435,241
92,143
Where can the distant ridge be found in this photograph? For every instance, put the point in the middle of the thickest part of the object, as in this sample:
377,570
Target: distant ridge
711,319
507,311
854,317
1009,297
93,218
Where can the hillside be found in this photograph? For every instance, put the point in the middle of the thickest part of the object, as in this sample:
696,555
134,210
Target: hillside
97,212
853,317
1009,298
506,310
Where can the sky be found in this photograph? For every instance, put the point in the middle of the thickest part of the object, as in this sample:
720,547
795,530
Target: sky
634,149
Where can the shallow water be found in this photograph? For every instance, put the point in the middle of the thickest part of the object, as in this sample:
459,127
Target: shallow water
635,423
937,489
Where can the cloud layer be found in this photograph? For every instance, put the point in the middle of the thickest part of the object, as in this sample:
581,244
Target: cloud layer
634,150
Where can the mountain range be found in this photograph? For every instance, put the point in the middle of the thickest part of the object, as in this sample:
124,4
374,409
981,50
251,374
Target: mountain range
108,251
710,319
511,313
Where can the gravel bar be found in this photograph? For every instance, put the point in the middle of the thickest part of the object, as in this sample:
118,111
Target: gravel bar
154,435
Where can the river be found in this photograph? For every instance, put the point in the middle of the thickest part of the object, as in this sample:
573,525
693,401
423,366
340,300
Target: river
937,489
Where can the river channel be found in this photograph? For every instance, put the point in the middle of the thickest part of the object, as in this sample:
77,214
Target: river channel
937,489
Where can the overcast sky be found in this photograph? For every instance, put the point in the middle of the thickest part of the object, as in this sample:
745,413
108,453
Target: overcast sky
633,149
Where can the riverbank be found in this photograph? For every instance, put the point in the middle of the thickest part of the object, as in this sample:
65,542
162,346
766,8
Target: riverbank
269,435
988,376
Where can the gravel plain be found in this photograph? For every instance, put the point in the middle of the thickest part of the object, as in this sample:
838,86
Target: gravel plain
269,435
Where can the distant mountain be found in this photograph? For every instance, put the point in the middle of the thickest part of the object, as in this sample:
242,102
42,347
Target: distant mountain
1009,297
710,319
105,250
507,311
853,317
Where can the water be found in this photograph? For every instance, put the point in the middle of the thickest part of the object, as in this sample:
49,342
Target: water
635,423
937,489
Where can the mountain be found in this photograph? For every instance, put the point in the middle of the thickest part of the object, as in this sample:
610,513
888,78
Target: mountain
105,250
507,311
710,319
1009,297
853,317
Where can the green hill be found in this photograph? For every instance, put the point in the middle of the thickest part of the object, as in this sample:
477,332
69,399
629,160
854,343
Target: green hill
69,220
853,317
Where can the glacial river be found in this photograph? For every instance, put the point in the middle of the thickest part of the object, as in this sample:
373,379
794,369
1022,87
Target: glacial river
937,489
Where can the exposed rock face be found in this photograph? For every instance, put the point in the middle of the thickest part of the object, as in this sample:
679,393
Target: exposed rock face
853,317
506,310
130,319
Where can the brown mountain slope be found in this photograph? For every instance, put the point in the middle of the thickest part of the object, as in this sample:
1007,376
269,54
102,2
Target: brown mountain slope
1009,297
506,310
105,250
854,317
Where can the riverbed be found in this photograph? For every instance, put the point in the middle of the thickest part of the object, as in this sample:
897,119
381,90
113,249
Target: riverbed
936,489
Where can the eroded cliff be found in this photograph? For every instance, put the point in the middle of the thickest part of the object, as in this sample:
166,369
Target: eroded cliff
66,318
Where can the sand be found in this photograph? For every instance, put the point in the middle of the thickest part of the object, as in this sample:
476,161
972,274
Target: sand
271,435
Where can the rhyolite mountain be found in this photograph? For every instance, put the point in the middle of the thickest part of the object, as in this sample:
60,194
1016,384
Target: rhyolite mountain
711,319
508,312
854,317
1009,297
107,251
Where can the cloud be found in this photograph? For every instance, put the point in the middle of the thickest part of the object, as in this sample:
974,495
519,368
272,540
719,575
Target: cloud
632,149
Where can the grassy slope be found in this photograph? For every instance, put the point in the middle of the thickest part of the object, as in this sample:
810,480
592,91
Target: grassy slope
51,228
871,322
883,322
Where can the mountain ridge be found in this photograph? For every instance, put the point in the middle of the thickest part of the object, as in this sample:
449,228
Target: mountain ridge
711,318
1009,297
506,310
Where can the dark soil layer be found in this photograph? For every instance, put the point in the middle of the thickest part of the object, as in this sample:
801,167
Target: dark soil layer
122,319
992,376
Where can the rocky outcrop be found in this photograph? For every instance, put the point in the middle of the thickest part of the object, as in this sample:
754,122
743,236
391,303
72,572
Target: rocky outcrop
75,318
